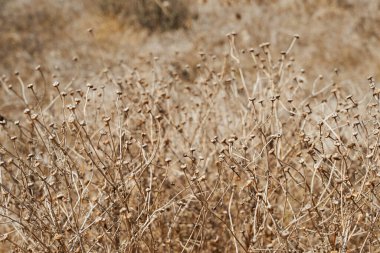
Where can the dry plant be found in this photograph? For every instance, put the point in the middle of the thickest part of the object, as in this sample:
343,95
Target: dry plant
151,14
248,157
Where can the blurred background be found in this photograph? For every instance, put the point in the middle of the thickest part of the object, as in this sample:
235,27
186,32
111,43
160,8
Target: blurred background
341,34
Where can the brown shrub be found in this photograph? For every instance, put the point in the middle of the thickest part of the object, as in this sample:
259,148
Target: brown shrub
152,14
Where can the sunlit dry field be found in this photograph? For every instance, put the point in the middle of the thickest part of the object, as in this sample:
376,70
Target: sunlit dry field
189,126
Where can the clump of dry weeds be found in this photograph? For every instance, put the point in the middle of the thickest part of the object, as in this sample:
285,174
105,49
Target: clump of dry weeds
250,156
151,14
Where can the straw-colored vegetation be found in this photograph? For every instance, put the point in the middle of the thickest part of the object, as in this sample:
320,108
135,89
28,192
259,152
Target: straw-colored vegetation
172,126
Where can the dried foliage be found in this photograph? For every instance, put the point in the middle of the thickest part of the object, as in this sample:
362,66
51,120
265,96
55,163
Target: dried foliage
152,14
243,164
235,150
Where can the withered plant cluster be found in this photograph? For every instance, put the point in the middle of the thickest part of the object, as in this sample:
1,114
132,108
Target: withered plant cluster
151,14
246,156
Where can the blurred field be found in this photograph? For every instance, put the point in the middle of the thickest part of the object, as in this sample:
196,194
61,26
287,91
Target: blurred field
189,126
340,33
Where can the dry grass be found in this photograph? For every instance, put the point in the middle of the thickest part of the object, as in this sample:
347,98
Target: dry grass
151,14
228,145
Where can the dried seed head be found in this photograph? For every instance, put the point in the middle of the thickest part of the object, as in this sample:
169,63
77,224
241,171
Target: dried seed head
284,234
60,195
34,116
264,45
3,237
